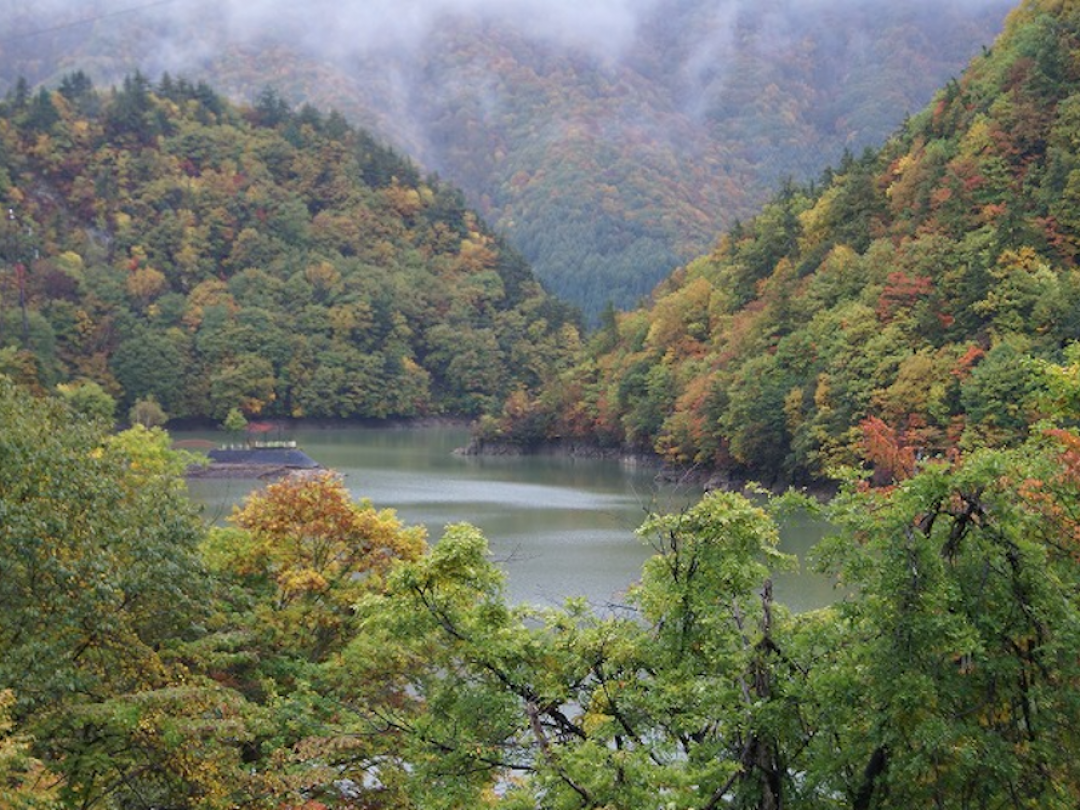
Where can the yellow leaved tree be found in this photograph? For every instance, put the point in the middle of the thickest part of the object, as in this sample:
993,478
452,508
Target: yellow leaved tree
310,551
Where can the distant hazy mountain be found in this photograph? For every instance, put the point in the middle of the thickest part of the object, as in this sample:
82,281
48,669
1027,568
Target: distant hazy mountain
610,141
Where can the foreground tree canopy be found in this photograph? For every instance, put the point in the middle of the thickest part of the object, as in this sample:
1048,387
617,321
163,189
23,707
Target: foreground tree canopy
316,654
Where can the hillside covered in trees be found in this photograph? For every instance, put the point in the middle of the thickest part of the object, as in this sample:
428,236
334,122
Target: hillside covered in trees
608,142
897,310
163,243
317,654
917,309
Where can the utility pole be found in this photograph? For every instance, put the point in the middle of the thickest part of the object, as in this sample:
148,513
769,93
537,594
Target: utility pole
20,277
9,255
7,240
17,249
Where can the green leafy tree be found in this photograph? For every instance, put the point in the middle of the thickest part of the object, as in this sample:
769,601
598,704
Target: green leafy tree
584,711
998,396
234,421
151,364
89,399
955,685
148,413
74,558
97,539
247,380
21,775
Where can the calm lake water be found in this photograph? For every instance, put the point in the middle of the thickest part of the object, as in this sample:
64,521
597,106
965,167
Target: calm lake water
559,527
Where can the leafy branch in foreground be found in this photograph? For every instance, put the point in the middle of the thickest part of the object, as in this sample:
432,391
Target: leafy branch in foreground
944,675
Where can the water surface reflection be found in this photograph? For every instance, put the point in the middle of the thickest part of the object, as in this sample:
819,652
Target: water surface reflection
559,527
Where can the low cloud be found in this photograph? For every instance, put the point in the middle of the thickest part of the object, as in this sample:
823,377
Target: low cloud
359,26
343,27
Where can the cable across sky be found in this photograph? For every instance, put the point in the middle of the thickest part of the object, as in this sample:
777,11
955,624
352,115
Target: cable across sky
85,20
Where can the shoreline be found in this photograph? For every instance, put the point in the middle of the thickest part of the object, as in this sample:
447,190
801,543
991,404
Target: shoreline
707,478
284,423
252,472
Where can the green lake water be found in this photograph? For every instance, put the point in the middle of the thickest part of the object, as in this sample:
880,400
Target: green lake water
559,527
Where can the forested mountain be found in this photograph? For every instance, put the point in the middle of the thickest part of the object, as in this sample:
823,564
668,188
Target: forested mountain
917,309
163,243
608,142
895,311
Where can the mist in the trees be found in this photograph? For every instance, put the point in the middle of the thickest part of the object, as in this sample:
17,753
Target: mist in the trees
610,141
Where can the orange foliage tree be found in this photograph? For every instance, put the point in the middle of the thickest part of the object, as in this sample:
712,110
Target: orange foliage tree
311,550
891,457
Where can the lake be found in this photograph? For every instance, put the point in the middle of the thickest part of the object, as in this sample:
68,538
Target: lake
558,526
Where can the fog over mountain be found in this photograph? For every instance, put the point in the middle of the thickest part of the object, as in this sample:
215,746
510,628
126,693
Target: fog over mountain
342,26
335,29
611,140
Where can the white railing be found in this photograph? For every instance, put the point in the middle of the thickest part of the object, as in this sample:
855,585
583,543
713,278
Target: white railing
271,445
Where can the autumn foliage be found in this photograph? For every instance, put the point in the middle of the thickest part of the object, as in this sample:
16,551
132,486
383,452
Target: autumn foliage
313,551
277,261
897,309
892,460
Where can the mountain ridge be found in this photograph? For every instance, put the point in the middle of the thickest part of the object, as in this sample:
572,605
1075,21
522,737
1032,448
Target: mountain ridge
898,309
608,157
175,246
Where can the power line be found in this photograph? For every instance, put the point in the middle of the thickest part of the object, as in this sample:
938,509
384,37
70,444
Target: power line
85,21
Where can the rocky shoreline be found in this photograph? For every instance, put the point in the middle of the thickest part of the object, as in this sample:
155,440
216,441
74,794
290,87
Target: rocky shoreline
260,472
261,463
707,478
566,448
